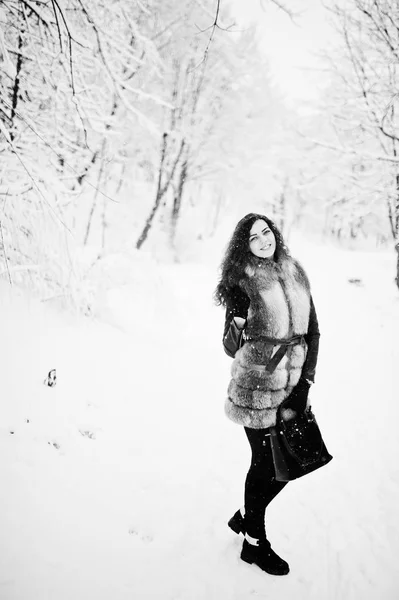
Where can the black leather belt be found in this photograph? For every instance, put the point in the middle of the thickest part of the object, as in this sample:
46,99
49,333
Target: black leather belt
277,357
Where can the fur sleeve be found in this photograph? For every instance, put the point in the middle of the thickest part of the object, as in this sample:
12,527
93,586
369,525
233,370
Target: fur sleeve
301,275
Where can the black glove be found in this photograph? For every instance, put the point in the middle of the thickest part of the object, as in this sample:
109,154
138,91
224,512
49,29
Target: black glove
298,398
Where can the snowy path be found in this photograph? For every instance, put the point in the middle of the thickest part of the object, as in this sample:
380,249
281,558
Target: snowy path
121,483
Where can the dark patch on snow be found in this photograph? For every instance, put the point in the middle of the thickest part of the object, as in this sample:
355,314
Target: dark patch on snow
89,434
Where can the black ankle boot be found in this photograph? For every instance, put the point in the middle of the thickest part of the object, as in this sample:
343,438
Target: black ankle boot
264,557
236,523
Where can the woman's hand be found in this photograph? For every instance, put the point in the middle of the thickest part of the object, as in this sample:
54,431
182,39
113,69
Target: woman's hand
298,398
240,322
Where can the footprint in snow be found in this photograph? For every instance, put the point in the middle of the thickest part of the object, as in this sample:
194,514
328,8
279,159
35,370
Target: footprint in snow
143,537
88,434
55,445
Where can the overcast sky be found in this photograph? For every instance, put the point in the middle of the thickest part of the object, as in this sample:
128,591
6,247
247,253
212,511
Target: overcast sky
290,47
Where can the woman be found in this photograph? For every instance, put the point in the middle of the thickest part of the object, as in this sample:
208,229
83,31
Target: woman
271,331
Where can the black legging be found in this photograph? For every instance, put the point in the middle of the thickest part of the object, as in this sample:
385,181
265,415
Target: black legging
260,484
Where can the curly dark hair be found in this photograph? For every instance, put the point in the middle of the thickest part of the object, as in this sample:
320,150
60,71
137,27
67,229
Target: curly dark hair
238,252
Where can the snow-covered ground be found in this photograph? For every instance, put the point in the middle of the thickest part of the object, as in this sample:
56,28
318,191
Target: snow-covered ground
118,482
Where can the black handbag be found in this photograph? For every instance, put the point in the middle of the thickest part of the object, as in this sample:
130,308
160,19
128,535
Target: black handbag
297,445
234,339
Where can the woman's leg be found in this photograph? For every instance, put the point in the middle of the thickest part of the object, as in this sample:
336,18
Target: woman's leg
260,485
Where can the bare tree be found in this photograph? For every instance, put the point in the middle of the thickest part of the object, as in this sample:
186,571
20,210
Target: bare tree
363,102
73,77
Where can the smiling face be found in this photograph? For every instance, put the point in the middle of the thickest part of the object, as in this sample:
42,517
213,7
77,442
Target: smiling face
262,242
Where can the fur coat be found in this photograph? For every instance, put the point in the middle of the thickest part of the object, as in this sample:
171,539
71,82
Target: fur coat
279,307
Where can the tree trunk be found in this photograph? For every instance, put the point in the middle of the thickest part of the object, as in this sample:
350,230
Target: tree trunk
396,216
396,229
99,152
162,188
15,92
87,167
158,196
149,221
177,201
89,222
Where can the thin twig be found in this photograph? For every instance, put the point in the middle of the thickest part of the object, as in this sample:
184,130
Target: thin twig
39,16
71,65
282,7
345,150
55,3
217,26
2,241
10,143
58,23
213,27
60,157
